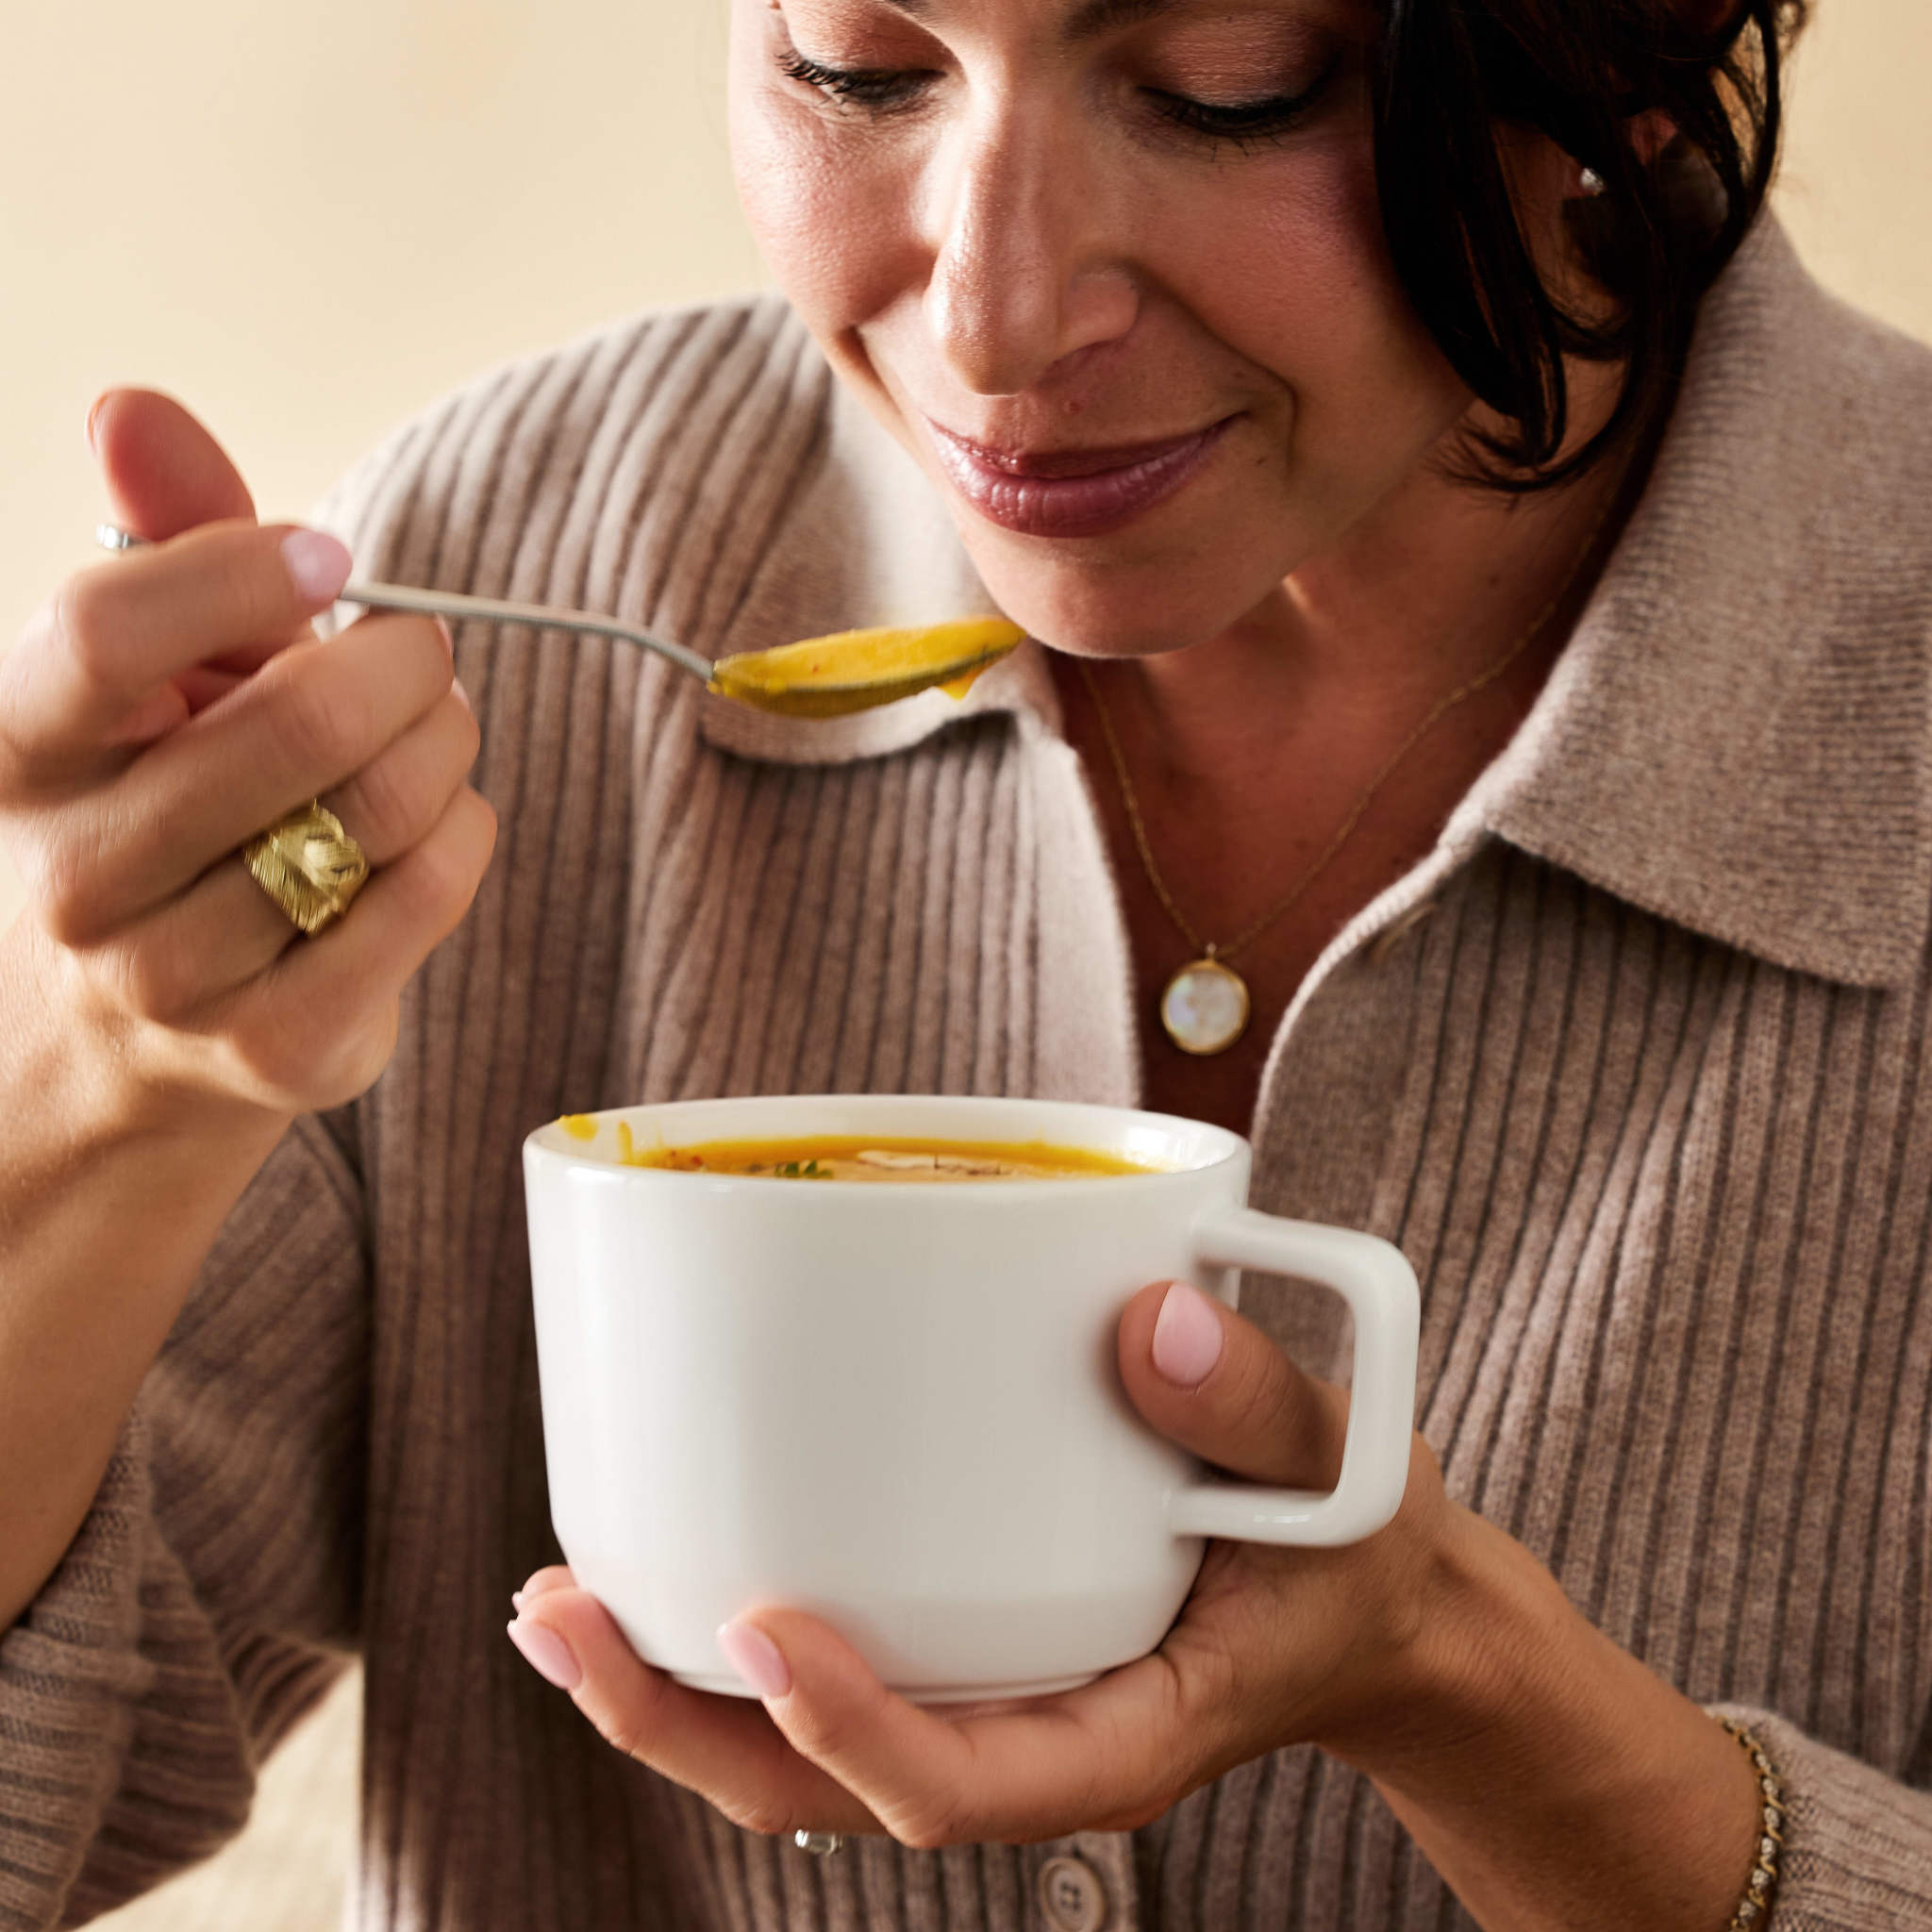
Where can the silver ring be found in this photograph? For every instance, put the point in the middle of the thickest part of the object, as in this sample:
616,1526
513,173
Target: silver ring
111,537
821,1845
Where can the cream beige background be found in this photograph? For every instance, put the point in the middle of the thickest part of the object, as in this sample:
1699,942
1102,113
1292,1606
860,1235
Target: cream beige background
308,222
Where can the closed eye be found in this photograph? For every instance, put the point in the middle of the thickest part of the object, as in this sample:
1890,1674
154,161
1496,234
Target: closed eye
1244,123
879,88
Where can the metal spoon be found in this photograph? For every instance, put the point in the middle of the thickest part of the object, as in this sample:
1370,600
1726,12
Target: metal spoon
821,677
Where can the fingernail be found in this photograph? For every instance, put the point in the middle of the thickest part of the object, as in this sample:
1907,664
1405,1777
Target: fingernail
92,417
455,684
449,637
1186,1335
318,565
547,1654
542,1584
755,1658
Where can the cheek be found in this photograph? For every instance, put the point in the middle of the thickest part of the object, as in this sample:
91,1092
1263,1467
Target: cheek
1318,305
831,227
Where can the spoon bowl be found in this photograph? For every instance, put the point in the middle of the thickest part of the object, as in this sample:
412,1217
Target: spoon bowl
854,669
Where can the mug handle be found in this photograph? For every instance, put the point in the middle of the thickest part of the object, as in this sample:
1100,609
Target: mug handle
1379,1286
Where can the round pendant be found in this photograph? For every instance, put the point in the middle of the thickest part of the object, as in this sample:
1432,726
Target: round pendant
1205,1008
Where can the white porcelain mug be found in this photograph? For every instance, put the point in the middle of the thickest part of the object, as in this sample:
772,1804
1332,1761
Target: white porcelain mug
898,1406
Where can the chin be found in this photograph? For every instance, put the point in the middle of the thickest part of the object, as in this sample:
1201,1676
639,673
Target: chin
1120,607
1096,624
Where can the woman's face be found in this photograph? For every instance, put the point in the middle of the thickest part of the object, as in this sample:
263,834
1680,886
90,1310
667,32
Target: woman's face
1113,271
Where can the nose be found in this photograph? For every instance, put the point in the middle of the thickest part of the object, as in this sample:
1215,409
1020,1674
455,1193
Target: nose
1024,275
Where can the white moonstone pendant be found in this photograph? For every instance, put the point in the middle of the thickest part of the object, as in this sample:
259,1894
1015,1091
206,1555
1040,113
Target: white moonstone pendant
1205,1008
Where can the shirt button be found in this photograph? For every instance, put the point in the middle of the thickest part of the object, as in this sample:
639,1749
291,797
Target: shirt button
1071,1895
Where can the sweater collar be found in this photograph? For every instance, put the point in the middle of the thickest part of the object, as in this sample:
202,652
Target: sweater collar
1735,738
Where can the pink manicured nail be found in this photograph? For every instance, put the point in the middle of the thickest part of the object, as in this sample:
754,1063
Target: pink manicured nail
1186,1335
755,1658
449,637
94,416
318,565
547,1654
455,684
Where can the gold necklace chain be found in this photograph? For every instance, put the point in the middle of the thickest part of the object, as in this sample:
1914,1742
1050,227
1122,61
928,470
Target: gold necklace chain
1217,957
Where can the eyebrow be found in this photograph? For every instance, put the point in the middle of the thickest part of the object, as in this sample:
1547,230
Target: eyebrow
1091,19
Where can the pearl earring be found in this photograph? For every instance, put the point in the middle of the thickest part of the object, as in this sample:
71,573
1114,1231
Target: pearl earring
1591,182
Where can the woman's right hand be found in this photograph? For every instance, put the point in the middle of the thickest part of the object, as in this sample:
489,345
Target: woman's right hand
164,707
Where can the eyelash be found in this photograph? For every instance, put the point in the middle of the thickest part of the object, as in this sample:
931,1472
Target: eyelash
1249,125
1252,125
879,88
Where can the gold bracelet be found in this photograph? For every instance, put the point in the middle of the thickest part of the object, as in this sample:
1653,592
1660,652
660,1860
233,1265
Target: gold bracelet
1762,1887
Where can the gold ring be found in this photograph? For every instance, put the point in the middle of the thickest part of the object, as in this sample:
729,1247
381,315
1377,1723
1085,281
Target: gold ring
308,865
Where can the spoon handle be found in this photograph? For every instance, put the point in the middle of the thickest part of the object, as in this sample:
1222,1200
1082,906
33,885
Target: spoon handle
538,616
476,610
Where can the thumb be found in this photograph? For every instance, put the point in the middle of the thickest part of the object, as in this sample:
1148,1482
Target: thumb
165,474
1211,1381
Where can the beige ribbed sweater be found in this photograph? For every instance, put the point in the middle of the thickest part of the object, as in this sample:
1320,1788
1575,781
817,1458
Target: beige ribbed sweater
1633,1069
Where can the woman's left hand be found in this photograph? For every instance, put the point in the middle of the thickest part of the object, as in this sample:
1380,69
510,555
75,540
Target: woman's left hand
1274,1646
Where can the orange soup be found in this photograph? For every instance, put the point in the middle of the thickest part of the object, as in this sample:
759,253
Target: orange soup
867,1157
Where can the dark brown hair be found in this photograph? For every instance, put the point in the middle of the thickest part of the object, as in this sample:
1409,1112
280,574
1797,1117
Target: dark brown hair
1451,72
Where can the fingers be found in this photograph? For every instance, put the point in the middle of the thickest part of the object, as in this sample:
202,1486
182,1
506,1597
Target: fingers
85,680
95,658
319,1025
164,471
1109,1757
1211,1381
725,1748
320,716
393,800
833,1750
556,1576
225,930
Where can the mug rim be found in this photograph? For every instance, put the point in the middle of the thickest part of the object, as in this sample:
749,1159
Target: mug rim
551,1142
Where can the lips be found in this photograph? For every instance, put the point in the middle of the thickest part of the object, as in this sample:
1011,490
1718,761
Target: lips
1071,493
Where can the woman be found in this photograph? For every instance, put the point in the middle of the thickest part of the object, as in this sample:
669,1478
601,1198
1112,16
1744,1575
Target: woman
1481,595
